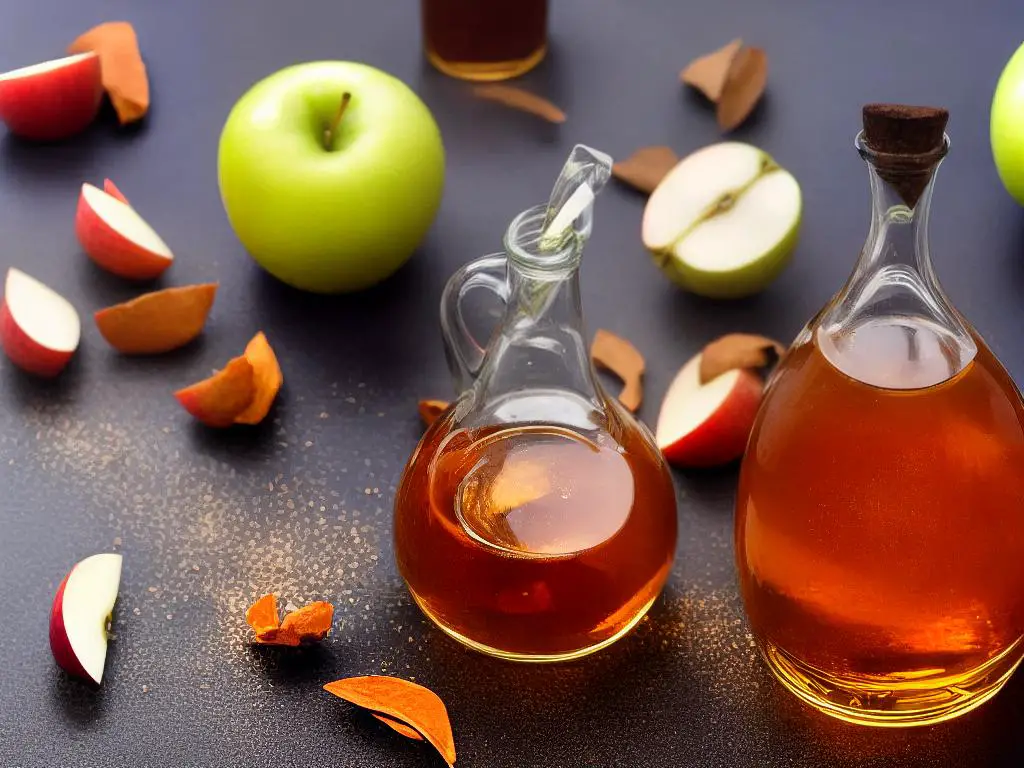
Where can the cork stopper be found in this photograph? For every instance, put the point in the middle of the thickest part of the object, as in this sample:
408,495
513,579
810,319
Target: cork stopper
906,143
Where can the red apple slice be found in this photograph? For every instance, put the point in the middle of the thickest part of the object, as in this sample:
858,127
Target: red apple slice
39,329
707,425
81,612
53,100
117,238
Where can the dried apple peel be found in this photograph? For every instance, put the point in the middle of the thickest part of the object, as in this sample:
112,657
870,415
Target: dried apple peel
218,400
524,101
267,378
401,700
737,350
123,71
311,623
615,354
646,167
263,616
733,78
157,322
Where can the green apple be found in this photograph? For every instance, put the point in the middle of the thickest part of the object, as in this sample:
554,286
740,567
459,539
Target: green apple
724,221
1007,126
329,198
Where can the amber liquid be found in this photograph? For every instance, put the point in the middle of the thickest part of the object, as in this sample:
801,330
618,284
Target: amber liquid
535,542
880,535
485,39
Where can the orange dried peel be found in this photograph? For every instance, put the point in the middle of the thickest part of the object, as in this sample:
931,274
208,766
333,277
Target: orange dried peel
262,616
123,71
311,623
216,401
409,703
267,377
157,322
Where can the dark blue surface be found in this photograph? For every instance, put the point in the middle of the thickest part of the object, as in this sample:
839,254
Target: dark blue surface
104,458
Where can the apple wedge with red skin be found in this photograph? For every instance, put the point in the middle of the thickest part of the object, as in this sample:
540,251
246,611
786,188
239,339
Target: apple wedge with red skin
707,425
117,238
39,329
53,100
81,611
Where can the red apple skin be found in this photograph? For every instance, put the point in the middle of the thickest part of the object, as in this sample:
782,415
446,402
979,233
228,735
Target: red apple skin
113,251
53,105
59,643
26,353
111,189
722,437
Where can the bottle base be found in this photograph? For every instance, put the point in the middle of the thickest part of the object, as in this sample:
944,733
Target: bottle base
893,703
534,658
487,71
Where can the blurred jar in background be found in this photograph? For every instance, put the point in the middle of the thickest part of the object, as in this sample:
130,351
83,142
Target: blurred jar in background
485,39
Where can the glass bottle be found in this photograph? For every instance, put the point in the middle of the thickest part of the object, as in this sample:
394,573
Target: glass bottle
485,40
536,520
880,514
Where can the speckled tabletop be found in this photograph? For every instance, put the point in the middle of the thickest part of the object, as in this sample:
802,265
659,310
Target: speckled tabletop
104,459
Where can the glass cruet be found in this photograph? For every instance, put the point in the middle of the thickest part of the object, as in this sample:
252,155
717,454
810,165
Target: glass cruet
880,511
536,519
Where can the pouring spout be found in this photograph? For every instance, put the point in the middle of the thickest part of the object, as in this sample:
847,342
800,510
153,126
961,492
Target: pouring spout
570,210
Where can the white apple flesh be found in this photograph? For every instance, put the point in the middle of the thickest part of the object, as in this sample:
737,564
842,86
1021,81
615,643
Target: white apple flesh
707,425
39,329
724,221
81,612
117,238
53,100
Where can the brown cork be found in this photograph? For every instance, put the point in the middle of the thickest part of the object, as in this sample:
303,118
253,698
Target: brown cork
905,143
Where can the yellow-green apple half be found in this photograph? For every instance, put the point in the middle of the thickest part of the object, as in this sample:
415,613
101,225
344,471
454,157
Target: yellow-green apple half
53,100
117,238
81,612
326,203
39,329
706,425
1006,126
724,221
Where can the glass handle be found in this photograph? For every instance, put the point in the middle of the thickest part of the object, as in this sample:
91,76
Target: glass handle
464,352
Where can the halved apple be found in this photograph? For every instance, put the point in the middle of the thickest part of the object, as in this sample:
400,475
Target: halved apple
723,223
39,329
117,238
706,425
81,612
53,100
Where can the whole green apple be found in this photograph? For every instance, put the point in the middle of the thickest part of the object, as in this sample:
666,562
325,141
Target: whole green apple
325,197
1007,126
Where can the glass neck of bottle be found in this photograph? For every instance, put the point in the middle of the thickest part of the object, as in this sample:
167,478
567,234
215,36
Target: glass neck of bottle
892,325
900,209
539,357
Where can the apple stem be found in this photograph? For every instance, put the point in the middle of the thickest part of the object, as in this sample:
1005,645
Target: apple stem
332,129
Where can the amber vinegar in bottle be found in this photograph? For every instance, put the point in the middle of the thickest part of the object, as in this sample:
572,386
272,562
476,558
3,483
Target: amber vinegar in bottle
536,520
880,513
